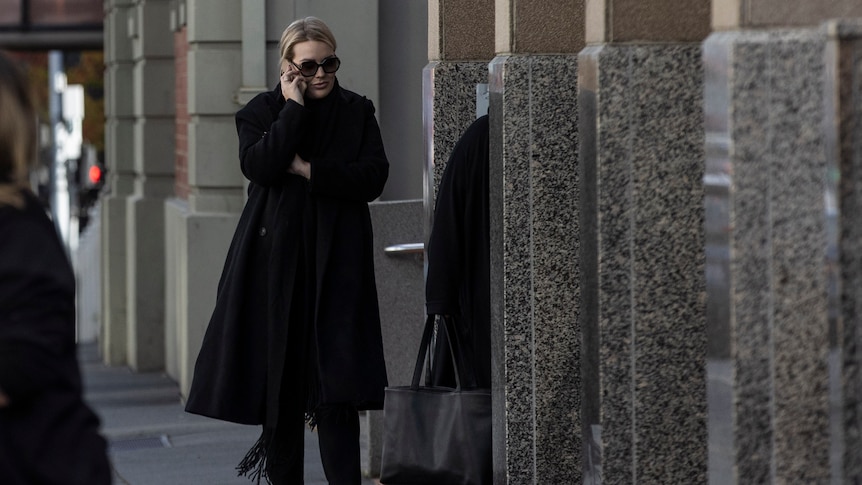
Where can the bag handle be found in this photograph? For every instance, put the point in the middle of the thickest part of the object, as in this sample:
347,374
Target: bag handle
426,343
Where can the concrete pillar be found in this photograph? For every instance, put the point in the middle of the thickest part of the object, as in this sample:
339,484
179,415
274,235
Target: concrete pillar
778,148
227,62
119,157
642,162
534,240
153,97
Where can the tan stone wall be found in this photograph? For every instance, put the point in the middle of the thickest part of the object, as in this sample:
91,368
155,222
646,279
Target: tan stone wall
539,26
460,30
747,14
620,21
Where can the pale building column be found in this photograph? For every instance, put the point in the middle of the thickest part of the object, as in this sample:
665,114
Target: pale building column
253,50
782,193
535,328
153,97
225,45
119,158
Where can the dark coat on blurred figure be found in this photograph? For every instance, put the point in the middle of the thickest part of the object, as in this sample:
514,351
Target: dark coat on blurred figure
318,229
458,281
47,434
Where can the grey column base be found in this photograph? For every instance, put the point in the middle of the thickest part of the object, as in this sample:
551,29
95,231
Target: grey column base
145,283
114,308
196,247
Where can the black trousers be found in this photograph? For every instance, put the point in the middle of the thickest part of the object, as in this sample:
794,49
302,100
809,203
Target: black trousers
338,435
337,426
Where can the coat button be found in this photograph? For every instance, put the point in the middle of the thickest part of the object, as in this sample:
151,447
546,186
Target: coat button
262,231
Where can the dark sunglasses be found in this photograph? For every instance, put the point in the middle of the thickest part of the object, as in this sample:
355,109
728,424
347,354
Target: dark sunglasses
309,68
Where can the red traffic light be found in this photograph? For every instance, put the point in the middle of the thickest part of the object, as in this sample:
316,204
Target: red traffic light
95,174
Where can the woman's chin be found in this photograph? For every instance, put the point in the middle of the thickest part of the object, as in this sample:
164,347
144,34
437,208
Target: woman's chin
318,92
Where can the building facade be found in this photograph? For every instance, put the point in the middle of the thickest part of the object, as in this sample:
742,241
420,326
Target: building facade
675,266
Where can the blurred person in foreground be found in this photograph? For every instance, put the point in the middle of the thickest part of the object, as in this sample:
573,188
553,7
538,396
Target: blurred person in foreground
48,435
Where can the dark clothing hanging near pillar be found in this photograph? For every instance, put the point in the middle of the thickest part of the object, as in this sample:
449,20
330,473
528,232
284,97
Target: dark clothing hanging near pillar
458,281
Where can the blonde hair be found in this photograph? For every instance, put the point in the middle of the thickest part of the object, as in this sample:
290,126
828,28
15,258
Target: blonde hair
309,28
17,134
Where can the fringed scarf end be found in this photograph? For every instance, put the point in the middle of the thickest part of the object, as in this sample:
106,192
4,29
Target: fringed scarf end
311,420
253,465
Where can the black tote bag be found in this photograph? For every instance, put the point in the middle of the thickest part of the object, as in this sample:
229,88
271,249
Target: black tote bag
437,435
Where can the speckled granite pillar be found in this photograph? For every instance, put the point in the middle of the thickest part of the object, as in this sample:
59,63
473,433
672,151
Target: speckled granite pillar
534,280
450,107
766,247
844,163
642,163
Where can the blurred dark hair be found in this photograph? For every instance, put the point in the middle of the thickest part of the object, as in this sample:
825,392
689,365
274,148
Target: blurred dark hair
18,127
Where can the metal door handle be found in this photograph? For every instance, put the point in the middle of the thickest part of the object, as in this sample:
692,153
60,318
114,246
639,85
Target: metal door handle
410,248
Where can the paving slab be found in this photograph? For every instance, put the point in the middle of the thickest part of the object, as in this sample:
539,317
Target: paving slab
153,441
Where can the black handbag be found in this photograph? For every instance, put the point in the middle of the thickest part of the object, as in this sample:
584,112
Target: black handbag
437,435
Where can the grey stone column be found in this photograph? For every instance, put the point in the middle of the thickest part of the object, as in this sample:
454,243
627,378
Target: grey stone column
228,62
119,157
642,256
766,252
535,289
153,82
844,251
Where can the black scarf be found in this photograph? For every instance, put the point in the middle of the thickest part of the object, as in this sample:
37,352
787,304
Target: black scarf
316,134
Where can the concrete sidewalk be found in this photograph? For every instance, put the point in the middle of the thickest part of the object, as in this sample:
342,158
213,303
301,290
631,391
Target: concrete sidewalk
153,441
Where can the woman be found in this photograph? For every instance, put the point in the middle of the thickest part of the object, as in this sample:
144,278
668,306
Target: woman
47,434
295,334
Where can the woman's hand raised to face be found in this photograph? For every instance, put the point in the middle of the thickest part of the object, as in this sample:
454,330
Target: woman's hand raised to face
293,85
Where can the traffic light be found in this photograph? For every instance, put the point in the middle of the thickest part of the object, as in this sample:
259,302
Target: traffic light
91,171
91,180
95,175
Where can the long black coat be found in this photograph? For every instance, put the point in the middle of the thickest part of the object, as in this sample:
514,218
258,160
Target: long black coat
238,373
458,281
48,435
